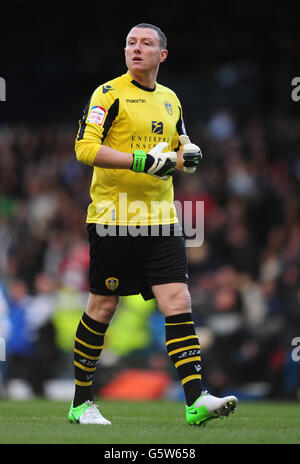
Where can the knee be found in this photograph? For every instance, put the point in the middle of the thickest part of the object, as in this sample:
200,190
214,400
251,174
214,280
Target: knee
102,308
181,302
176,301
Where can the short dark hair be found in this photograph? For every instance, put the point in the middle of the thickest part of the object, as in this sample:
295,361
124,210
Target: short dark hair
161,35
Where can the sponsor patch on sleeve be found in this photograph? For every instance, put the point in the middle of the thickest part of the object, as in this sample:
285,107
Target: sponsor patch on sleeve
97,115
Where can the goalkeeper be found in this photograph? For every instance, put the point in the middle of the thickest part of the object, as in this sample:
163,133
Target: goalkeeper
133,135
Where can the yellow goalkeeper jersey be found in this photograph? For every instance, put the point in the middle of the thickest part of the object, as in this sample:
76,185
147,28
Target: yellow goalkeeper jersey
124,115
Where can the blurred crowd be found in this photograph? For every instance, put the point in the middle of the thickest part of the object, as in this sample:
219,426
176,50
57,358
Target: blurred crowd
244,279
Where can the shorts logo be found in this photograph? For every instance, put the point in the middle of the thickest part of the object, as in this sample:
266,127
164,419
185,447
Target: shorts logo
168,107
97,115
112,283
157,127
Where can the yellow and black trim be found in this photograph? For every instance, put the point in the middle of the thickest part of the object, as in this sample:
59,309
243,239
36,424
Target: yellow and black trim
184,350
89,341
112,113
82,121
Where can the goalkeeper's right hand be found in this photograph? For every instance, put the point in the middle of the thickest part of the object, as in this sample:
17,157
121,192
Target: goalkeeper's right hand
155,163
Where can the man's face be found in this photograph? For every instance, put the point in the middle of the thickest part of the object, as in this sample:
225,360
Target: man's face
143,52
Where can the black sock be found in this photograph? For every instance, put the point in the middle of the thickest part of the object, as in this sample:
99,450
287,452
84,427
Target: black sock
184,350
89,341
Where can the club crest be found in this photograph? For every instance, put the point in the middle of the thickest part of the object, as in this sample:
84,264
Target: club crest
112,283
168,107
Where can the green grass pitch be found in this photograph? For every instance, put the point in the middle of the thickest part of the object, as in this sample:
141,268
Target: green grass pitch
42,421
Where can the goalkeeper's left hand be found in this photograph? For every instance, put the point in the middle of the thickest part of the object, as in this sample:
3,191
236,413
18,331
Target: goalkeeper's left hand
191,154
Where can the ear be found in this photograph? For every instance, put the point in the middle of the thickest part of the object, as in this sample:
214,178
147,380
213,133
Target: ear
163,55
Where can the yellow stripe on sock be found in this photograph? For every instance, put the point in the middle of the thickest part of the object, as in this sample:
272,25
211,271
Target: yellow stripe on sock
88,369
175,340
190,377
179,323
91,330
93,358
93,347
185,348
83,384
187,360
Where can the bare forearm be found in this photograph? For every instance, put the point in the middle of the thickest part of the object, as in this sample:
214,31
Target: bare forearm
179,164
110,158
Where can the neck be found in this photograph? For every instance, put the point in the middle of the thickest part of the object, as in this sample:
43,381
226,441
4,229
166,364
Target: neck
146,80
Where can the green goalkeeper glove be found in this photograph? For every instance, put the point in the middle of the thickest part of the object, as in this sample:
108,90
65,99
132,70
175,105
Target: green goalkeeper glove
155,163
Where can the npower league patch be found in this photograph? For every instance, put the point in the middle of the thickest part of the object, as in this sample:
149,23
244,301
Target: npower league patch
97,115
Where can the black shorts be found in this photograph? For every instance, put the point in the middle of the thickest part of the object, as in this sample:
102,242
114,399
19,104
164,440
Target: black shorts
126,265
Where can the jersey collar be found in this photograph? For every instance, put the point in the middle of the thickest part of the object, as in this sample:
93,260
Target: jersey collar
140,86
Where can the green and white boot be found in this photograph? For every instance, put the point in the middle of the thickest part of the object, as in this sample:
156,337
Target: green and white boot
208,407
86,413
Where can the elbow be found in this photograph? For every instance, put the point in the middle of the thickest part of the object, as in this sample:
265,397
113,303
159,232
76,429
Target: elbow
86,152
80,155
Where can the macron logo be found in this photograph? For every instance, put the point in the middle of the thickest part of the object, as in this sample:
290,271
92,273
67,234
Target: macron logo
107,88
